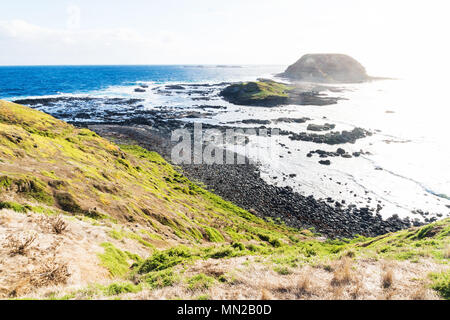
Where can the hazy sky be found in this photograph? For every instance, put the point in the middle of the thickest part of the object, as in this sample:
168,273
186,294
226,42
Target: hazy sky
388,37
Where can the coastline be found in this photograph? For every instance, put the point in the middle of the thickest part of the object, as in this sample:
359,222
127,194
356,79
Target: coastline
243,185
344,212
230,240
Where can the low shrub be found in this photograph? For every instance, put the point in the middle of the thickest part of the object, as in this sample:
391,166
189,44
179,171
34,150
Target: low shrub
161,279
121,288
200,282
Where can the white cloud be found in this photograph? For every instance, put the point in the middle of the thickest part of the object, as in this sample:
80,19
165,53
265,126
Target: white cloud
22,30
31,44
19,30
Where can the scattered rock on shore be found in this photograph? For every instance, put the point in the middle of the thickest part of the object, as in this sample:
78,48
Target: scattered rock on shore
293,120
318,127
175,87
331,138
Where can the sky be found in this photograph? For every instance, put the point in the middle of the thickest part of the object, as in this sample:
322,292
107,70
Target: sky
389,37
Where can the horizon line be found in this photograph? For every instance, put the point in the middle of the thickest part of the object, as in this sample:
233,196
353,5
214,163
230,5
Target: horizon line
137,65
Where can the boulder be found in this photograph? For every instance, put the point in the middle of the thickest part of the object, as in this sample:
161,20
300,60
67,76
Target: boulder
318,127
325,162
175,87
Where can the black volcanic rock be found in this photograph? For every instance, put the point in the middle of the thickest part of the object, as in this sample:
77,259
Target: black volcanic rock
175,87
330,138
318,127
330,68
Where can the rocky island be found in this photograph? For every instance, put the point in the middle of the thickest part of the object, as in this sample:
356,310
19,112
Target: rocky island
326,68
269,93
315,68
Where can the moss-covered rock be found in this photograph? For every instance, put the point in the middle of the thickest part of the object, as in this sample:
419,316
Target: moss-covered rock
268,93
261,93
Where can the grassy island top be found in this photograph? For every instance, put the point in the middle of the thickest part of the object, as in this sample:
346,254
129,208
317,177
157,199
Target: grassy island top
257,92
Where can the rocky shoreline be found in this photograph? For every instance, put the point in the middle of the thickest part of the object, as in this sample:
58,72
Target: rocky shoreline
128,121
243,185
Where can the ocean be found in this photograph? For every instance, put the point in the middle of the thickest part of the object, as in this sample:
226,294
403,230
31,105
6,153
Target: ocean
405,165
16,82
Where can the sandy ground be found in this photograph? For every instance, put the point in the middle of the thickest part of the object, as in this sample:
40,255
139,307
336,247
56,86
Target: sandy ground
76,248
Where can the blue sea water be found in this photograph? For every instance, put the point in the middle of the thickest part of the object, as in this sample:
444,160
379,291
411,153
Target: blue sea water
26,81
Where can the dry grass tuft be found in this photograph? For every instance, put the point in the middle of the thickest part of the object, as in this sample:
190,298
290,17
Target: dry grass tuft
328,268
447,252
58,224
337,292
51,272
358,289
420,293
266,295
21,287
19,245
342,275
304,284
389,295
212,269
387,279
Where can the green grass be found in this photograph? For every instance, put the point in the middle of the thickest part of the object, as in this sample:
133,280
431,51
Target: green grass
282,270
161,279
414,244
441,283
214,235
116,289
259,90
200,282
123,183
116,260
271,88
5,182
162,260
15,207
30,187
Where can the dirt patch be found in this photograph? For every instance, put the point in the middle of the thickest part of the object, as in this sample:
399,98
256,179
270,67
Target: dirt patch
41,254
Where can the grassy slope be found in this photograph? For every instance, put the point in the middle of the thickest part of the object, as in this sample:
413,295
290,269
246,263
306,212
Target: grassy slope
48,163
49,166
